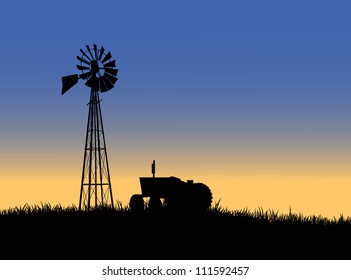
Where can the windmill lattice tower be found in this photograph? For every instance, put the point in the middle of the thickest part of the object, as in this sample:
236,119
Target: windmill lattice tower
100,74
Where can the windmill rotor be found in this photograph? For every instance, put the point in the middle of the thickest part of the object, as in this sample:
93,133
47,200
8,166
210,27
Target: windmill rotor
97,69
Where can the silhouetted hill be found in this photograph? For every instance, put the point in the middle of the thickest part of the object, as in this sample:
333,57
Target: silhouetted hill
58,233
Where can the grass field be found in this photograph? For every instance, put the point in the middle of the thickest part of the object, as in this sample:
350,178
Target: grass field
55,232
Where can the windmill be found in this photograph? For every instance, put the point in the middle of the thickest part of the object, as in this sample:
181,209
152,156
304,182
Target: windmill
99,71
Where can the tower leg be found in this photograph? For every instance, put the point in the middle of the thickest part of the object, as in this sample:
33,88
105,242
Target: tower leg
96,190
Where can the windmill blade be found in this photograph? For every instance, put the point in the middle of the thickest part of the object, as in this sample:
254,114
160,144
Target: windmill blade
85,76
101,52
88,48
95,51
110,64
107,84
81,59
68,82
93,82
110,78
111,71
103,85
81,67
107,57
84,54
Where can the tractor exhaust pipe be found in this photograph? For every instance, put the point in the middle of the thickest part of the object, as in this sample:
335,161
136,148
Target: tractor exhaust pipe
153,169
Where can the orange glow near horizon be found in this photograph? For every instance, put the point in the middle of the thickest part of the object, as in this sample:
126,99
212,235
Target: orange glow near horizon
310,177
311,188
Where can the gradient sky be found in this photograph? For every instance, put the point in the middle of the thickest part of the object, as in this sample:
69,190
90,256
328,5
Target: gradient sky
251,98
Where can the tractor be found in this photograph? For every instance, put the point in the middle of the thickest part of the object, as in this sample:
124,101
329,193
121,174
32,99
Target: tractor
171,193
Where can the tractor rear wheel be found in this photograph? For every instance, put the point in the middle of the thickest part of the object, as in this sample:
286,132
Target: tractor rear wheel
202,197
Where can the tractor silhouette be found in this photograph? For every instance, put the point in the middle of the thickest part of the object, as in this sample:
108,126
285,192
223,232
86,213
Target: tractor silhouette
171,193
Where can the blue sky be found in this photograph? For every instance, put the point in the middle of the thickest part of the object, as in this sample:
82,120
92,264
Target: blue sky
205,76
260,59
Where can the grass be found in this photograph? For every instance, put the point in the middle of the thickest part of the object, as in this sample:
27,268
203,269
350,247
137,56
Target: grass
258,214
57,232
272,216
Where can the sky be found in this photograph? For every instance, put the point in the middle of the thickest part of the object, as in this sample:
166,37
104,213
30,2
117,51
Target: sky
251,98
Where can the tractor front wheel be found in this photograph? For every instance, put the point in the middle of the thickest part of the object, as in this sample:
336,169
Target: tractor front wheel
136,203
